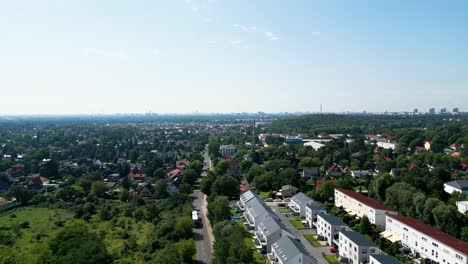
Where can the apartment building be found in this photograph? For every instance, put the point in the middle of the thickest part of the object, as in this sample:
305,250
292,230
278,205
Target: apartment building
298,203
357,204
312,210
288,250
354,248
329,227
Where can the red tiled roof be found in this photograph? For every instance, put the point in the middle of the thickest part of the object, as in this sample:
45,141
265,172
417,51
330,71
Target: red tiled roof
4,202
366,200
176,171
435,233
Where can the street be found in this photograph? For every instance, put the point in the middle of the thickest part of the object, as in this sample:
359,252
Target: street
203,236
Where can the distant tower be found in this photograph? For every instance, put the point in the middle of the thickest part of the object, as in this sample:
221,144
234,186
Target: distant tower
253,136
431,111
443,110
455,110
321,108
415,111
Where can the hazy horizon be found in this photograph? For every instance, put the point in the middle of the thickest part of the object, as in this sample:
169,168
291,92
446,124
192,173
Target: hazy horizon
212,56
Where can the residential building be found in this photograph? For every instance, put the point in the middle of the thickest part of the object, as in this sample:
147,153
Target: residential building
387,144
382,259
460,186
329,227
287,191
227,150
462,206
357,204
270,230
309,172
427,145
244,198
355,248
255,210
432,111
298,204
335,171
360,173
314,144
312,210
426,241
455,110
288,250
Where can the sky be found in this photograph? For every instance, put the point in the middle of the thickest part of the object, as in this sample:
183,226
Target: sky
182,56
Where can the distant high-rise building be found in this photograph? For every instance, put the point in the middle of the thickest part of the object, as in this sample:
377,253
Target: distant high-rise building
455,110
415,111
443,110
431,111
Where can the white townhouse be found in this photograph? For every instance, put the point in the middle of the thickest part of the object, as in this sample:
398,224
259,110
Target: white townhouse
355,248
460,186
288,250
270,230
387,144
298,203
462,206
329,227
255,210
245,197
357,204
382,259
312,210
426,241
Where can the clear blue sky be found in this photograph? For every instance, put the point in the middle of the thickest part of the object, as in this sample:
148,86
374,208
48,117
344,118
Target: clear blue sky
179,56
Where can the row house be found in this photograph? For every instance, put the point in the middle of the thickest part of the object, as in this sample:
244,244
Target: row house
312,210
354,248
255,211
357,204
382,259
426,241
298,203
289,250
269,230
329,227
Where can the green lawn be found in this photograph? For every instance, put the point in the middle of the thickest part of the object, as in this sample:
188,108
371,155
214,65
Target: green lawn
42,227
283,210
313,241
363,188
297,223
331,259
257,257
264,195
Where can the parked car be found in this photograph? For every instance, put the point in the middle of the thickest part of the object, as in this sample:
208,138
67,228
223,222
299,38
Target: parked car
268,200
277,200
287,200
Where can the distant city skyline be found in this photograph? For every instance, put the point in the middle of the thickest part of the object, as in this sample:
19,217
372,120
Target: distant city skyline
212,56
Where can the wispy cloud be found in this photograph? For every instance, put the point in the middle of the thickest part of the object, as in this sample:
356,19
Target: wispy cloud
236,42
271,36
195,9
207,20
316,33
117,54
245,28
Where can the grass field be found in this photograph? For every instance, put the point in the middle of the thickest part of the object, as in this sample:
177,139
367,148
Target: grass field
44,223
313,241
283,210
264,195
331,259
297,223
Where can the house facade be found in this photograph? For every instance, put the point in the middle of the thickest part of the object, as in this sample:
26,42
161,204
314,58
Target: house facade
329,227
360,205
382,259
309,172
426,241
227,150
255,210
312,210
355,248
460,186
270,230
298,203
462,206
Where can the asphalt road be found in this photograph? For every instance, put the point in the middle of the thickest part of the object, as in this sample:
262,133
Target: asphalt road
203,236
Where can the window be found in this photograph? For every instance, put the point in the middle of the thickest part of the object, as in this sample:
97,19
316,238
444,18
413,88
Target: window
389,220
435,244
372,250
404,228
364,251
424,239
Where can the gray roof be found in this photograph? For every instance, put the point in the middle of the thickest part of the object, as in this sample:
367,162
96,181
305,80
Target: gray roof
357,239
247,196
459,184
315,207
333,220
301,199
269,225
257,207
288,248
383,259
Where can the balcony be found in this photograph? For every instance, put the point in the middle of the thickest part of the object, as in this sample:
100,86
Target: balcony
336,240
249,223
294,209
272,258
240,205
260,239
